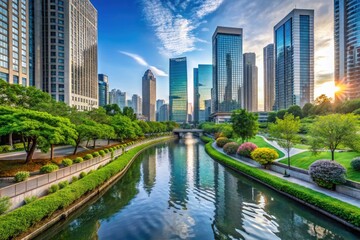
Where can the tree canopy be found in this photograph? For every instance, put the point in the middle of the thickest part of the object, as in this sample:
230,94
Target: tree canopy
244,124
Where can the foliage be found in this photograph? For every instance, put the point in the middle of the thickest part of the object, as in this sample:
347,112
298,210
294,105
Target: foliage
82,175
53,188
205,139
21,176
231,148
112,109
88,157
31,199
48,168
78,160
280,114
220,142
307,109
102,153
271,117
67,162
246,149
74,179
219,130
355,164
123,127
63,184
129,112
5,148
5,204
264,156
322,105
296,111
95,154
245,124
327,173
106,150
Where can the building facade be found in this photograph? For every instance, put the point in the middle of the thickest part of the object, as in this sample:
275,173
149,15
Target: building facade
202,90
15,41
103,89
66,51
250,82
137,104
164,113
207,110
227,92
159,103
347,48
118,97
178,90
149,95
269,77
294,59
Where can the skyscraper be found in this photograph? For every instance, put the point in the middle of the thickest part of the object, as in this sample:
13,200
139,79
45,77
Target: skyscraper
202,90
14,42
178,90
347,46
164,113
294,59
227,72
137,104
103,89
159,103
149,95
118,97
269,78
66,51
250,82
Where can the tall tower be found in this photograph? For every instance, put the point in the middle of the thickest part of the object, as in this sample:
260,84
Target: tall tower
269,78
202,90
103,89
294,59
149,95
250,82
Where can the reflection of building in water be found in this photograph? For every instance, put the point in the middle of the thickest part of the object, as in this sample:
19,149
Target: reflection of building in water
149,170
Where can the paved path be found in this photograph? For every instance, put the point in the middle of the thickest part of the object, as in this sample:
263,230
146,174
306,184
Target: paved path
342,197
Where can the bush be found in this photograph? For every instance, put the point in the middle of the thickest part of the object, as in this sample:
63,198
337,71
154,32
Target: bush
264,156
111,149
5,204
95,154
218,135
246,149
82,175
53,188
19,146
5,148
78,160
88,157
31,199
231,148
221,141
106,150
102,153
355,164
48,168
63,184
21,176
74,179
67,162
327,173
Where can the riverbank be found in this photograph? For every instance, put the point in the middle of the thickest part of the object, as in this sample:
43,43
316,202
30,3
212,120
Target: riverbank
38,215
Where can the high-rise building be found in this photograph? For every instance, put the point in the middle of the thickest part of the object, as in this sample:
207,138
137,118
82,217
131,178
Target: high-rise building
202,90
294,59
66,51
190,112
250,82
149,95
269,78
137,104
164,113
178,90
227,72
14,41
159,103
347,47
207,110
118,97
103,89
129,103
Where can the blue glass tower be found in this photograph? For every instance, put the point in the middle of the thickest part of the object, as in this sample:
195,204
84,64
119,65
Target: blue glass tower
103,89
294,59
202,90
178,90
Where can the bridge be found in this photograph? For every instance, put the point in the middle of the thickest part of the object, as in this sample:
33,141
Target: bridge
181,132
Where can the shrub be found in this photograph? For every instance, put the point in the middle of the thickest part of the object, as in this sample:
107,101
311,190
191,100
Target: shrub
231,148
48,168
95,154
327,173
88,157
31,199
221,141
78,160
355,164
53,188
63,184
102,153
67,162
5,204
246,149
106,150
264,156
74,179
6,148
21,176
218,135
91,171
111,149
82,175
19,146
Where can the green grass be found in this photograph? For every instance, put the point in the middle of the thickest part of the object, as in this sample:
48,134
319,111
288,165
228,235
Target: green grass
305,159
260,142
302,146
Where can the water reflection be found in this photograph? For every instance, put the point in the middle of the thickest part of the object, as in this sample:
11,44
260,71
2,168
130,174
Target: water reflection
175,191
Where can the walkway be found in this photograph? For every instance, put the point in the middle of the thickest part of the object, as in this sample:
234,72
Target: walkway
339,196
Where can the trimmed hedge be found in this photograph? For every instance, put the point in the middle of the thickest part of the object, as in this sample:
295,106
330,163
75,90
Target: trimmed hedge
355,164
67,162
78,160
48,168
334,206
221,141
88,157
102,153
95,154
231,148
21,176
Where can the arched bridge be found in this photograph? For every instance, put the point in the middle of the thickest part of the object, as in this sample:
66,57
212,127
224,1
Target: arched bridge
181,132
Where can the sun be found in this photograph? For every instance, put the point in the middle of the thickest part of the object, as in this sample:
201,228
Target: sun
329,89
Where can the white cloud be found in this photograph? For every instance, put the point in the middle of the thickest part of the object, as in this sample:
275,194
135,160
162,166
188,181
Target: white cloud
207,7
158,72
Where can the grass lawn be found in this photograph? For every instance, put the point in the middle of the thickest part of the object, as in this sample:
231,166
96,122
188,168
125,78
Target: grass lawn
260,142
302,146
305,159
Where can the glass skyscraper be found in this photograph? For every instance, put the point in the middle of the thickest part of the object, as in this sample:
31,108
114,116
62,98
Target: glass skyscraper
227,71
294,59
347,46
178,90
269,78
202,90
250,82
103,89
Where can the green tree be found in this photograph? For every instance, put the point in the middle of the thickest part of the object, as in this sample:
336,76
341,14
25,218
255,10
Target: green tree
307,109
296,111
323,105
112,109
335,130
286,131
245,124
123,127
129,112
280,114
144,126
271,117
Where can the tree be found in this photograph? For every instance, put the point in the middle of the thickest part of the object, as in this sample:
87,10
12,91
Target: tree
286,130
112,109
334,130
245,124
123,127
271,117
296,111
280,114
323,105
129,112
307,109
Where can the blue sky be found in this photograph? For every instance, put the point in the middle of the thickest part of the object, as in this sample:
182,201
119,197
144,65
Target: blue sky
135,35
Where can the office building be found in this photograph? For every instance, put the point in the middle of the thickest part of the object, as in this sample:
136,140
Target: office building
269,78
149,95
294,59
66,51
178,90
159,103
137,104
207,110
103,89
14,42
250,82
164,113
190,112
118,97
347,48
129,103
227,90
202,90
